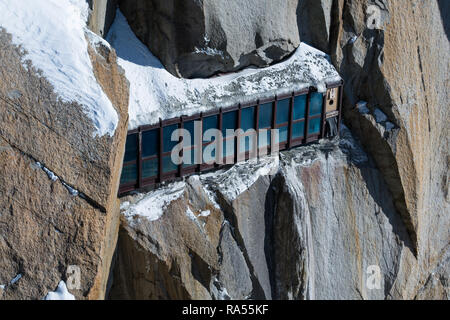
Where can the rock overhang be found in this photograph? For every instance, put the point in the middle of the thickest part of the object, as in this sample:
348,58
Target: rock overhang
306,68
155,93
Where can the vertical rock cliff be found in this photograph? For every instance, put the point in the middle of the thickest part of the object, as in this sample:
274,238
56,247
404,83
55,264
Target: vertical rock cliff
315,222
202,38
311,230
400,68
308,229
58,181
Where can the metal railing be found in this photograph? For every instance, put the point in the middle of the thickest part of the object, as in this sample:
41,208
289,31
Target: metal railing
137,173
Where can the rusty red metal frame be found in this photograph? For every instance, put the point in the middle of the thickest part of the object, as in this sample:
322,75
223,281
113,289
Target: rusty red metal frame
183,171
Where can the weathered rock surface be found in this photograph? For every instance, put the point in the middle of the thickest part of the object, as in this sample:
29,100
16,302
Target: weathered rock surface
309,231
201,38
394,56
174,257
399,66
312,230
438,283
58,184
102,15
314,22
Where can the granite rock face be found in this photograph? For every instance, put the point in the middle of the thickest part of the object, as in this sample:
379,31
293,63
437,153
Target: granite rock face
58,184
314,23
309,230
201,38
102,15
335,214
394,56
175,257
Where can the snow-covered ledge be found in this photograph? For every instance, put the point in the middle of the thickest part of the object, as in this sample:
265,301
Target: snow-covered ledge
155,93
52,34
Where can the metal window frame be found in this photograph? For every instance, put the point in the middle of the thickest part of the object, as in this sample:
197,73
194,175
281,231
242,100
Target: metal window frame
181,170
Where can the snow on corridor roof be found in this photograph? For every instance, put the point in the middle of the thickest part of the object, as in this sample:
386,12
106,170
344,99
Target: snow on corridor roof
53,33
155,93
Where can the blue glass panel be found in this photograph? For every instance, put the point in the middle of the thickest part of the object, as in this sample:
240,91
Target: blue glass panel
150,143
315,103
248,118
264,139
229,121
265,115
210,123
283,111
131,148
298,130
167,136
129,174
189,126
168,165
314,126
300,107
150,168
282,134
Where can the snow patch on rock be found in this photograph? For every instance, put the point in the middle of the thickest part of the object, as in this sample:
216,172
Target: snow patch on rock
53,36
190,214
49,173
381,119
239,178
211,194
151,205
362,107
205,213
209,51
380,116
15,279
52,176
61,293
